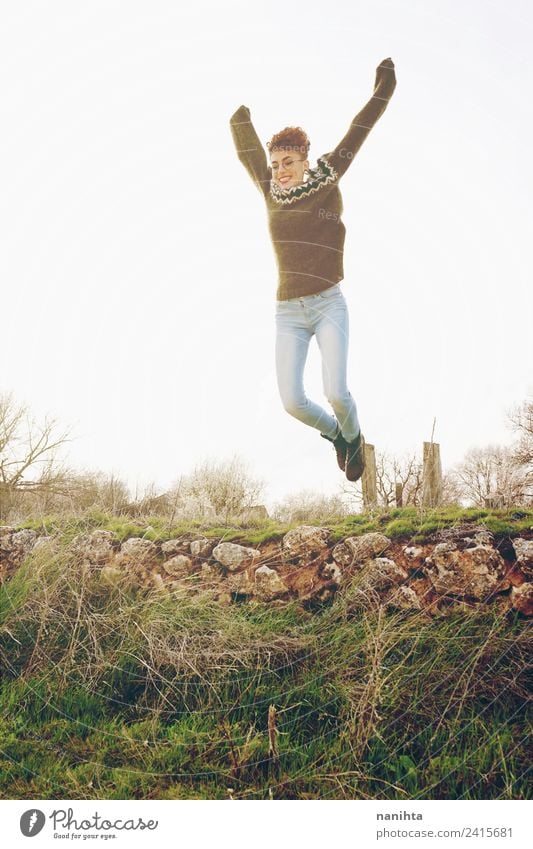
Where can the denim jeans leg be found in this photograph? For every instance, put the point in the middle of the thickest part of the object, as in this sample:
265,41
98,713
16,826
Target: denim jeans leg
332,333
293,335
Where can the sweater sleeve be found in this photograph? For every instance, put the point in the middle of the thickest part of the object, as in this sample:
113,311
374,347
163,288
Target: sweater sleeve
363,122
249,149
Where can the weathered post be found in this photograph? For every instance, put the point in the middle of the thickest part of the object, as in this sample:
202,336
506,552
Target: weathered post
272,736
399,495
369,480
431,475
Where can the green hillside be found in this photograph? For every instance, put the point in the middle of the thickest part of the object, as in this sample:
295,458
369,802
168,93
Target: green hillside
115,692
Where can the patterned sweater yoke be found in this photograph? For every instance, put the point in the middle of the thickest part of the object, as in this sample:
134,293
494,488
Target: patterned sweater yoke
304,221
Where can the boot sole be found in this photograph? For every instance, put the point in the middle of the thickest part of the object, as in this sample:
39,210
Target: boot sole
354,470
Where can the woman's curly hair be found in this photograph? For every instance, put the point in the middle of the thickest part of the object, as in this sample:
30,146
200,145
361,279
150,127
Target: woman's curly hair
290,138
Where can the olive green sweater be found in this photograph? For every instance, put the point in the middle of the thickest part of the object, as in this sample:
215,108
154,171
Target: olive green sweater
305,220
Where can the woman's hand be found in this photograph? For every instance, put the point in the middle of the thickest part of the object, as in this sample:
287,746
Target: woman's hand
385,76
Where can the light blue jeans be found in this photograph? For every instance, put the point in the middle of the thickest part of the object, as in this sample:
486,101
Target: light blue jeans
325,316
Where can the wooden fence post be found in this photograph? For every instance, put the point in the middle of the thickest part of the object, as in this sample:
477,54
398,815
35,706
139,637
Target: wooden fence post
368,481
399,495
431,475
272,736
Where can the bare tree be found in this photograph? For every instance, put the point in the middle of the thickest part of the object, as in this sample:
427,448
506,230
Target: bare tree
406,472
80,491
151,502
385,479
220,489
521,422
28,455
452,490
98,490
309,506
491,475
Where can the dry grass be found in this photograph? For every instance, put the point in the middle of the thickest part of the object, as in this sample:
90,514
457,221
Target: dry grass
110,691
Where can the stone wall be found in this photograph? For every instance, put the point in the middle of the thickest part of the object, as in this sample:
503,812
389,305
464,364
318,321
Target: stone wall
461,566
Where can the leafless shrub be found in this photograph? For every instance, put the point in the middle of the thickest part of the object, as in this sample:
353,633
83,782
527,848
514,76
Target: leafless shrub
216,490
309,506
492,475
402,473
521,422
29,460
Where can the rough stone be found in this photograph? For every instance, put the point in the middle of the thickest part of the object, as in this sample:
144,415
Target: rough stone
413,552
234,556
17,544
202,547
484,537
157,581
403,598
240,583
303,544
475,572
522,598
172,547
178,566
211,572
138,548
380,573
139,556
24,539
268,584
355,550
524,555
96,547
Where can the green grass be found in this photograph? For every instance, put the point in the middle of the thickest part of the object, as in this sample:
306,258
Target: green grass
418,730
116,692
416,524
420,525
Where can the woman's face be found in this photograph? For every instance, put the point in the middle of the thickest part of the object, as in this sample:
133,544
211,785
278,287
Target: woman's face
288,168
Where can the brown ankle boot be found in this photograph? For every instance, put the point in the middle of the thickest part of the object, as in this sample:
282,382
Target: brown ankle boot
355,458
340,445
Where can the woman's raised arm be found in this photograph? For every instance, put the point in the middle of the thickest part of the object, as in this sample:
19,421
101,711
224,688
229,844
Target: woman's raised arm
249,149
363,122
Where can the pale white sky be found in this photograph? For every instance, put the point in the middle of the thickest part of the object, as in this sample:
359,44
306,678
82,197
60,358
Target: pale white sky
138,279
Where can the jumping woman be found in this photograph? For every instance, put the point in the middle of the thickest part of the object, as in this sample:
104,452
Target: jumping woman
304,208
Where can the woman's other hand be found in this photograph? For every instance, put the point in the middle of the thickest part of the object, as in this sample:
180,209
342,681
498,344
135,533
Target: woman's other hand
385,76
